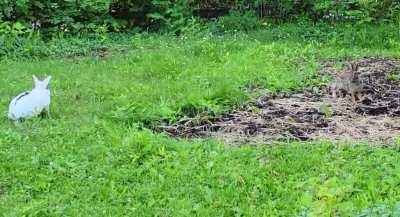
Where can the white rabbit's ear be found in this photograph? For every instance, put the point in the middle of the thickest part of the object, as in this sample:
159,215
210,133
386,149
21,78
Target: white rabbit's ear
47,81
35,80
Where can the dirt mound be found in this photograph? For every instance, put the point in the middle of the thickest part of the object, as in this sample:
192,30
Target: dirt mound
312,115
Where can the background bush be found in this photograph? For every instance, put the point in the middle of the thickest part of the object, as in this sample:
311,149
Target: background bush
116,15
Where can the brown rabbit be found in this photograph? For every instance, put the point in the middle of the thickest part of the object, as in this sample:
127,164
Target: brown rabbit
348,81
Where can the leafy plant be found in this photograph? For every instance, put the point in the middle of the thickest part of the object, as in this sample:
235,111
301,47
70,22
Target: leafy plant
12,35
173,15
177,16
326,110
16,29
236,21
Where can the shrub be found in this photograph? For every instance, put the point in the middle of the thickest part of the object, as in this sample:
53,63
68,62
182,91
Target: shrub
114,15
236,21
170,14
356,10
335,11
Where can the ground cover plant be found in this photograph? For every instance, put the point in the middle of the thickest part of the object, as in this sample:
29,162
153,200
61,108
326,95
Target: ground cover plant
97,155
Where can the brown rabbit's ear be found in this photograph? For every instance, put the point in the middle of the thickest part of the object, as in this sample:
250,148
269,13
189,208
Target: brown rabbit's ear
354,67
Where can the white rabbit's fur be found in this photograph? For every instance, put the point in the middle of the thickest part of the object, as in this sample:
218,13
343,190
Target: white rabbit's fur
32,103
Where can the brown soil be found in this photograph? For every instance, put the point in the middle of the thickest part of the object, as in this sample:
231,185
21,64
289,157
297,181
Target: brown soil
312,115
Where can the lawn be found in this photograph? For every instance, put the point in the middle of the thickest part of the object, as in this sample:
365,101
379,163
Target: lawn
97,157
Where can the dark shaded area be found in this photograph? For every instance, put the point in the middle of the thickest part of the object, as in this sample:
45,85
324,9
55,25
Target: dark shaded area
210,13
383,86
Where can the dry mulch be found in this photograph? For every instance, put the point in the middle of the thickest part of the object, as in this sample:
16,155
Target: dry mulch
311,115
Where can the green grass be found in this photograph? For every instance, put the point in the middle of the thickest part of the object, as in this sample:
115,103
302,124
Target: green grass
94,158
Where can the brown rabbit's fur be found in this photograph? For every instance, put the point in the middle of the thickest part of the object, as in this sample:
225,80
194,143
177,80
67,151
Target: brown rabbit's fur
348,81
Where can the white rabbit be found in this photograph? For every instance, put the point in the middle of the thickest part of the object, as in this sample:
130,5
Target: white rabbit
31,103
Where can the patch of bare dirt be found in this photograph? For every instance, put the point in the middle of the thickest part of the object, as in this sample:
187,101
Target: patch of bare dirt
312,115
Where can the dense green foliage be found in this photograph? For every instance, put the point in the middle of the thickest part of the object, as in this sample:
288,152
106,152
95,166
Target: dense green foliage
342,35
109,15
92,158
